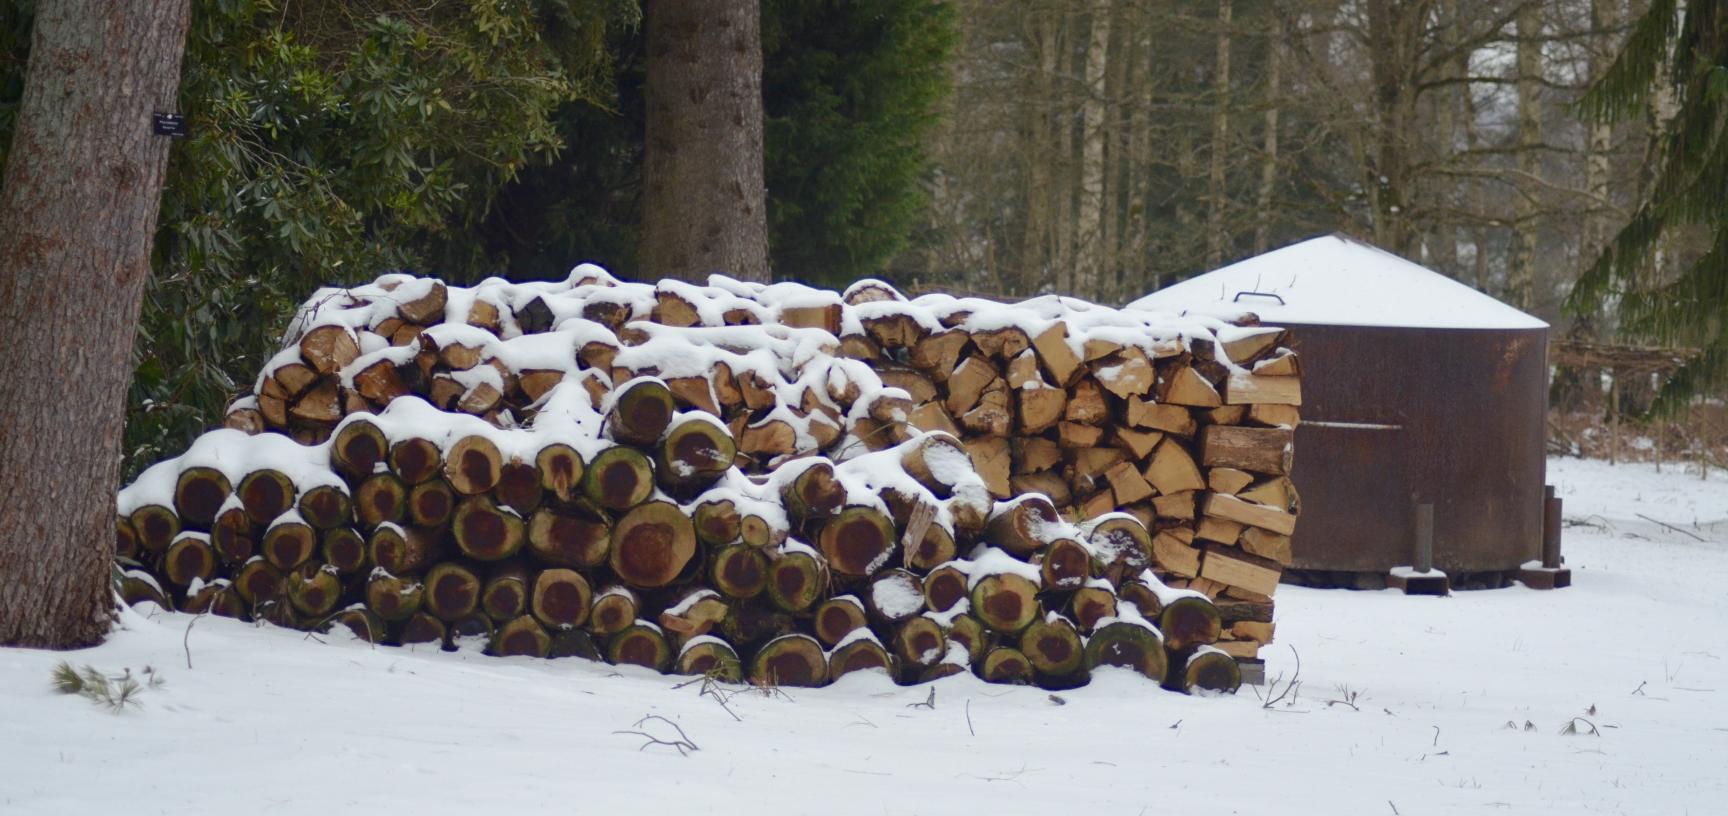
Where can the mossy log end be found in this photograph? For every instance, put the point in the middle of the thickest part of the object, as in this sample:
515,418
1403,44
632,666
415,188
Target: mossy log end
400,551
1005,664
640,644
430,503
421,627
1022,528
560,468
393,598
357,448
612,610
452,591
836,618
125,539
1089,605
857,541
919,642
652,544
415,460
344,550
259,581
738,571
1005,602
969,633
1129,646
813,494
693,456
190,558
232,535
381,498
314,590
473,465
619,478
218,598
1189,621
640,412
485,532
289,544
156,527
505,595
790,660
474,628
579,537
362,622
862,654
796,581
266,494
710,658
575,643
522,637
1122,544
199,494
560,598
519,488
935,548
1205,670
717,522
1065,564
1053,646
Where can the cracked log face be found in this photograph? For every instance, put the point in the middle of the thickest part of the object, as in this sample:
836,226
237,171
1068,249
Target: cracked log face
560,468
1053,646
796,581
1189,621
652,544
430,503
473,465
415,460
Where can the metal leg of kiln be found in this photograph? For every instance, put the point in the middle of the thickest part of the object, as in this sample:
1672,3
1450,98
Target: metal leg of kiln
1421,578
1548,573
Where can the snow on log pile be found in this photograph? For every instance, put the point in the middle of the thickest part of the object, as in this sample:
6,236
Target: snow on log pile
762,482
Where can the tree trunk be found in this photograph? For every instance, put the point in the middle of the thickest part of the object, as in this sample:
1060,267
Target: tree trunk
705,202
1605,17
1089,237
1526,207
1220,141
78,209
1269,154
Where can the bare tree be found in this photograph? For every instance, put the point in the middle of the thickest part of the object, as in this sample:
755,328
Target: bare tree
78,209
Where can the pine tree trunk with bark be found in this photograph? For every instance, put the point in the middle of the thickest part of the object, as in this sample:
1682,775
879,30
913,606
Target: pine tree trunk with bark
78,209
704,208
1220,142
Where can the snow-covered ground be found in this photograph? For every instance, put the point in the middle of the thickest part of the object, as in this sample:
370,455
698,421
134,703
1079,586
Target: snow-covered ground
1460,705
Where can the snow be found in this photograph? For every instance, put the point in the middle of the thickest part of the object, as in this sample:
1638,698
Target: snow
1639,638
1337,280
896,595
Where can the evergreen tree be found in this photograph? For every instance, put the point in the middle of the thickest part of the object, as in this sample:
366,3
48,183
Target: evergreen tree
850,90
1685,50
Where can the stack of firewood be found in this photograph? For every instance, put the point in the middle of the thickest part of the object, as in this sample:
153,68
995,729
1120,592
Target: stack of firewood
765,482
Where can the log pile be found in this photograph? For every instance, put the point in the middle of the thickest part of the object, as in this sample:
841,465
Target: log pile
766,483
